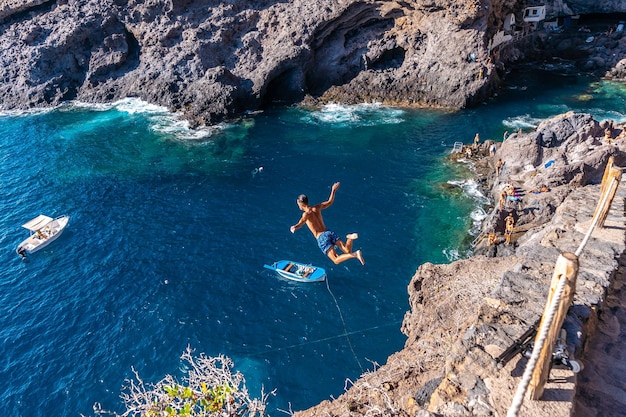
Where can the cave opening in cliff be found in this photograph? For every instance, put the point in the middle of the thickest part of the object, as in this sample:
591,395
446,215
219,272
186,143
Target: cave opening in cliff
601,21
286,88
134,50
391,58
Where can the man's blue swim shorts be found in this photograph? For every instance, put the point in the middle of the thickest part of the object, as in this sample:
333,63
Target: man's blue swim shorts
327,240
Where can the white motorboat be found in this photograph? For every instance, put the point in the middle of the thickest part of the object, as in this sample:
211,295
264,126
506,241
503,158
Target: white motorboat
43,231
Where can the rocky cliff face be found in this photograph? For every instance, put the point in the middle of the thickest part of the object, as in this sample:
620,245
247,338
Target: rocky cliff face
464,315
212,60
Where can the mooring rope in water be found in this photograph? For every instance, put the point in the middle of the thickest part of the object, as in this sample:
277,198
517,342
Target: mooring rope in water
345,329
324,339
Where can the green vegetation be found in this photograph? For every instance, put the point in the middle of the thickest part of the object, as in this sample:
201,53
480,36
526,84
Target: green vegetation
209,389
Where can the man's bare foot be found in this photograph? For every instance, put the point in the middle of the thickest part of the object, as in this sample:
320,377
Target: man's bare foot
352,236
359,256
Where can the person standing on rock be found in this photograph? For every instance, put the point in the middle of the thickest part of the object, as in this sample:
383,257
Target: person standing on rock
476,140
509,223
499,166
326,239
502,200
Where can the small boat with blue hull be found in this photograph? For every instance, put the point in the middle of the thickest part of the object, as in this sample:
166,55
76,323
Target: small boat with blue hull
297,271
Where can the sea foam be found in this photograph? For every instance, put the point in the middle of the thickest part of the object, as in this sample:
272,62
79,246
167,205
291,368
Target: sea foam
161,120
525,121
342,115
478,214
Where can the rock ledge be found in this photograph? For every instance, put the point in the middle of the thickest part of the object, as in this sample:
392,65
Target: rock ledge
448,367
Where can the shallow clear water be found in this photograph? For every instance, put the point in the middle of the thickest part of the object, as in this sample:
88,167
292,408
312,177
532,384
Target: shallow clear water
170,230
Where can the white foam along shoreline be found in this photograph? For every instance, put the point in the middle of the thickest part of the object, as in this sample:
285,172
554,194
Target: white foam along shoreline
162,120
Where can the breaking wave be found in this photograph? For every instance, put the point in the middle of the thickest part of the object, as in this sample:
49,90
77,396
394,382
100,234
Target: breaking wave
602,114
524,121
159,118
164,121
27,112
355,115
471,188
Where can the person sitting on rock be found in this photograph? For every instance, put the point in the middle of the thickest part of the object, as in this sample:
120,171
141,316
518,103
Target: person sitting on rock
542,189
511,193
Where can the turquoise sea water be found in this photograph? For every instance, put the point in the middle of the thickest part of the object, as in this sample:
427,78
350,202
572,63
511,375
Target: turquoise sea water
170,229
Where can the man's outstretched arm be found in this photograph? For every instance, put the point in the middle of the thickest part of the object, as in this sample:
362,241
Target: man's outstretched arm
331,198
299,224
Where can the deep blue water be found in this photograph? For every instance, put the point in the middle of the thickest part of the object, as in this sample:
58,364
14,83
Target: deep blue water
170,229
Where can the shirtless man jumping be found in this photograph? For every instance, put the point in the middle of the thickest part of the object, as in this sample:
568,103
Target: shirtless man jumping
326,239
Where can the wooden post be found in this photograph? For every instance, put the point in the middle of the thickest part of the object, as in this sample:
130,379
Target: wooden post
603,184
566,265
610,172
610,163
613,178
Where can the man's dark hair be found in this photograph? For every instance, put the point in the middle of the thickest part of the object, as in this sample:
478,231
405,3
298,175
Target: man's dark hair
303,199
